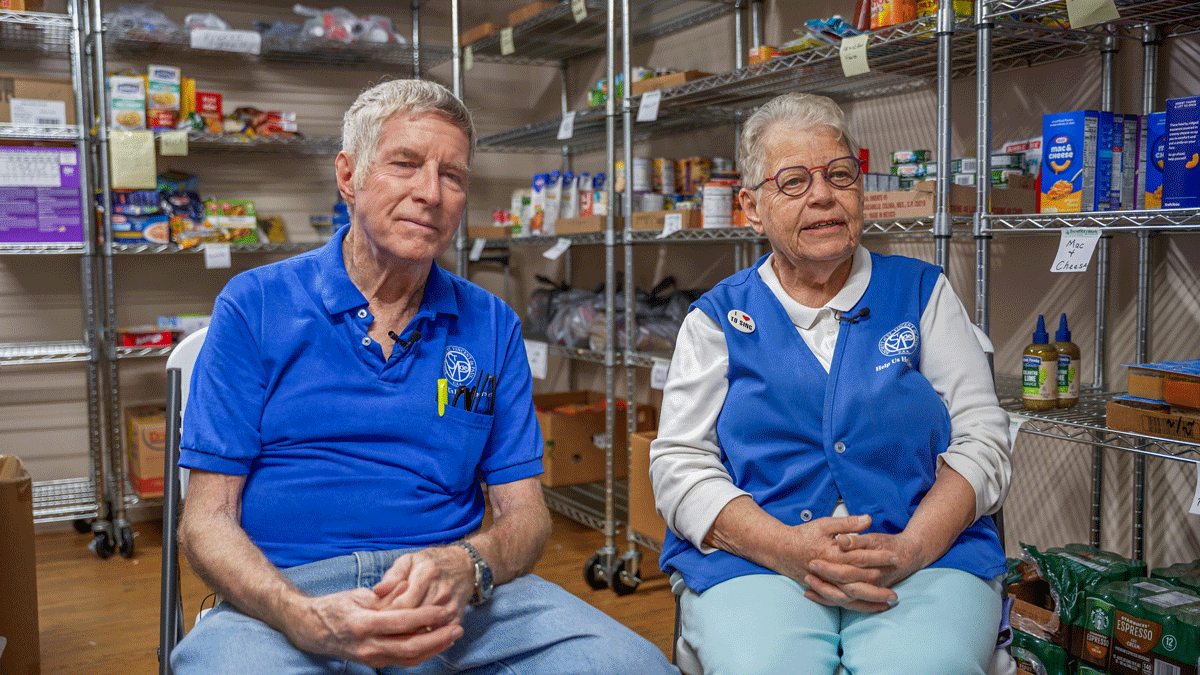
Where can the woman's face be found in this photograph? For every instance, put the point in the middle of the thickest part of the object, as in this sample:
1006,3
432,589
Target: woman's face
823,225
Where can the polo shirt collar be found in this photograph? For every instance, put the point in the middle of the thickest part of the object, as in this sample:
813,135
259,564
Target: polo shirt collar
340,295
807,317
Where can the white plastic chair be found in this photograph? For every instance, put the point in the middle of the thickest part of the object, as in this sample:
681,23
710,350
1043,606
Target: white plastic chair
179,375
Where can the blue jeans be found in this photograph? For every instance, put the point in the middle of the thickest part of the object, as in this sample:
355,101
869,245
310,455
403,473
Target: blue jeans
529,627
945,623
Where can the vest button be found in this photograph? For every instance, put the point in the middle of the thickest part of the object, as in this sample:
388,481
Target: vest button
839,446
366,342
362,313
806,515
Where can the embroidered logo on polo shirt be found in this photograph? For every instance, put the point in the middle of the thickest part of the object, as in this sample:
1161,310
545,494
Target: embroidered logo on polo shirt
459,366
900,340
740,320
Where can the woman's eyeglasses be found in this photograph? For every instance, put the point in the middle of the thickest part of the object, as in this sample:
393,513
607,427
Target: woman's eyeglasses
794,181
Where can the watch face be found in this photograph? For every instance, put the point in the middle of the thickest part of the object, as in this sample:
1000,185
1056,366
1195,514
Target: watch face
483,581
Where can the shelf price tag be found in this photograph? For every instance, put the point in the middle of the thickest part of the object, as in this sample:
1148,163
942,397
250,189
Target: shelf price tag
1195,508
506,42
477,249
217,256
1015,420
853,52
658,373
672,223
173,143
1075,248
1082,13
243,41
537,354
566,128
579,10
648,110
468,57
131,159
560,247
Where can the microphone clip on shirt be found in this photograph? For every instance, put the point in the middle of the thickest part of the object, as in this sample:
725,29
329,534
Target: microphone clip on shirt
863,313
416,335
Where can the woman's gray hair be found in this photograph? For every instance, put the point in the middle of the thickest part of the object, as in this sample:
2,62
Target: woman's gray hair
364,120
800,112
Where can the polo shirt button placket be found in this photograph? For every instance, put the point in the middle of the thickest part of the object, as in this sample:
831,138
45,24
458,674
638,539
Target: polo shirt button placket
839,447
366,342
362,313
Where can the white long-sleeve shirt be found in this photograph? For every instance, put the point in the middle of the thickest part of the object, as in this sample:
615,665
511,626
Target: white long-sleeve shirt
692,486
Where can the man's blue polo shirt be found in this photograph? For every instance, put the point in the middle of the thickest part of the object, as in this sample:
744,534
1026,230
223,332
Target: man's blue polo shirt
342,450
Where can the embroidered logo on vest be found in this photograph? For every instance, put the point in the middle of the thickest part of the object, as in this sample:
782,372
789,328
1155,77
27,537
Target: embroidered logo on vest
459,366
902,339
740,320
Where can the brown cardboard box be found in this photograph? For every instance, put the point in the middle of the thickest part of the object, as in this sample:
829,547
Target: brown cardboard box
653,220
571,454
22,6
1184,426
530,10
1033,611
18,585
643,518
585,224
478,33
1019,197
663,81
146,445
36,88
488,231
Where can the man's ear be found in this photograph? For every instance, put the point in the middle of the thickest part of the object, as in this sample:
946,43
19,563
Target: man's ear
344,167
749,203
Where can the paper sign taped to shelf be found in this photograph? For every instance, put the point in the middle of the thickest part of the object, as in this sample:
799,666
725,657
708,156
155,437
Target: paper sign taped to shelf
506,42
648,110
853,52
579,10
1195,509
1075,248
217,256
566,128
477,249
537,354
37,112
658,373
1082,13
468,58
131,159
1014,429
560,247
173,143
241,41
672,223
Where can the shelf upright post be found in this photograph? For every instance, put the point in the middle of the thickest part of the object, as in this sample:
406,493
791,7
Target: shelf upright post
756,23
739,38
565,104
941,215
416,39
456,67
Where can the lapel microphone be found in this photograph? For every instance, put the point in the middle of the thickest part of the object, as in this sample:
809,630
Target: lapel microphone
416,335
863,313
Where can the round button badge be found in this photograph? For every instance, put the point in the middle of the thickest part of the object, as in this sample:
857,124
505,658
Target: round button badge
740,320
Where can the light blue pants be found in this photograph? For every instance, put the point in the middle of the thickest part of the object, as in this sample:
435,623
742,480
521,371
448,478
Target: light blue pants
529,627
945,623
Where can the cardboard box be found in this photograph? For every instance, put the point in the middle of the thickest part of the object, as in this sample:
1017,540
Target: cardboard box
32,99
488,231
21,5
1173,382
18,590
1070,142
655,220
145,446
1019,197
1152,154
663,81
585,224
1174,424
478,33
144,336
529,11
572,452
643,517
1181,171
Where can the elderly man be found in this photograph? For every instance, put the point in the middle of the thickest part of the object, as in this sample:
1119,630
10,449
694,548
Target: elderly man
345,408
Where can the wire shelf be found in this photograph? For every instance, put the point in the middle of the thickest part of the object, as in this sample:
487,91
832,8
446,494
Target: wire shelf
37,31
262,247
51,132
66,499
31,353
1112,221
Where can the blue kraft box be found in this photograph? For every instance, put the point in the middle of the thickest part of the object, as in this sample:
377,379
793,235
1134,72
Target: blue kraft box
1069,149
1104,162
1181,165
1152,153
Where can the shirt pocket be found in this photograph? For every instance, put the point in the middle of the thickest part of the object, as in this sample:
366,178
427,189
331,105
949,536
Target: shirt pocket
457,441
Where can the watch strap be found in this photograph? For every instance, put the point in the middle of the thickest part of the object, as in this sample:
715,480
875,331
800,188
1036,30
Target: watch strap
479,565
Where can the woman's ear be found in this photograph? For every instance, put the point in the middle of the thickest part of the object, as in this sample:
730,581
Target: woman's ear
344,168
749,203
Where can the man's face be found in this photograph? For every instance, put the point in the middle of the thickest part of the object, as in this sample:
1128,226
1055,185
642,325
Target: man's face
413,195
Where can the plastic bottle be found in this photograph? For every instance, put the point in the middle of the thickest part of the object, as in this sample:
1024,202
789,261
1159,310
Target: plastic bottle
1039,371
1068,365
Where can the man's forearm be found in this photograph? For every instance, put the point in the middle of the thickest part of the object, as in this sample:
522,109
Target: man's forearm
514,541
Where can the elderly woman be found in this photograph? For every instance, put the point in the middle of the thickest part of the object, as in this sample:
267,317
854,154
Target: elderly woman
830,444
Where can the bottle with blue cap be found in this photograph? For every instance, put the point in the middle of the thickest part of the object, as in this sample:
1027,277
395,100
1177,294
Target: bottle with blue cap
1068,365
1039,371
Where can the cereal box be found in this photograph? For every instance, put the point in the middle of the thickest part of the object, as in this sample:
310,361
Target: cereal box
1068,183
1181,168
162,96
1152,152
128,102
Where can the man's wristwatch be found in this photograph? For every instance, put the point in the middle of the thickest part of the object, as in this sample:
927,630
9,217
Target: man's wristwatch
483,575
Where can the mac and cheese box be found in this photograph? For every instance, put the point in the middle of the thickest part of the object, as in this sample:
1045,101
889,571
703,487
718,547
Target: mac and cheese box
1069,150
1129,162
1152,153
1181,168
1105,140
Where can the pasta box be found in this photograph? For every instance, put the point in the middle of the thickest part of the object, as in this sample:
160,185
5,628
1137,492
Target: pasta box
1069,152
1152,153
1181,168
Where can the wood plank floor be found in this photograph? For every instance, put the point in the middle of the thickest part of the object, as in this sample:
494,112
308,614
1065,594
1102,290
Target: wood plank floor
101,616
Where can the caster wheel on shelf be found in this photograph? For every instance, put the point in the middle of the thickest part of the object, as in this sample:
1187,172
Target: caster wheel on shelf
83,526
624,576
594,573
126,542
102,545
